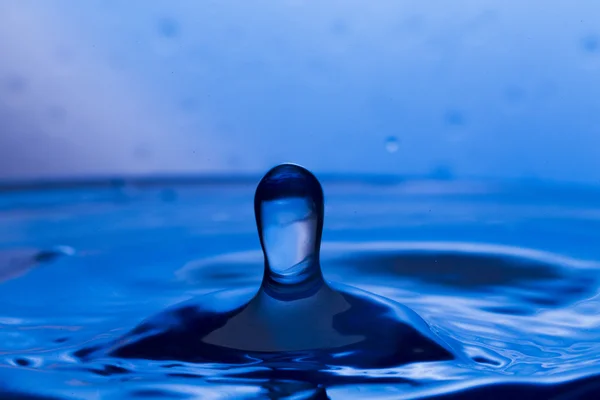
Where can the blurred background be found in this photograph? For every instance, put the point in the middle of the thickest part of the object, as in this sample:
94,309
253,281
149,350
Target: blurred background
489,89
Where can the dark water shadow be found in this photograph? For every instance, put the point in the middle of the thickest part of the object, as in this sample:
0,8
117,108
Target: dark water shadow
532,283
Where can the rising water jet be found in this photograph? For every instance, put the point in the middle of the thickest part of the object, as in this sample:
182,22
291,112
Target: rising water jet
295,316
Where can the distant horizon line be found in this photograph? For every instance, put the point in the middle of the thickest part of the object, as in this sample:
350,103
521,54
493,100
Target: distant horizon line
188,179
222,178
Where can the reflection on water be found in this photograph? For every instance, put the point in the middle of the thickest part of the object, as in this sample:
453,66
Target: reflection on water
508,271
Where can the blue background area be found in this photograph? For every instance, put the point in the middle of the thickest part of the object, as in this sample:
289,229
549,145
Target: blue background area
466,88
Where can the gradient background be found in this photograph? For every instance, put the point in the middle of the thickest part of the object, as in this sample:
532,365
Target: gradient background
468,88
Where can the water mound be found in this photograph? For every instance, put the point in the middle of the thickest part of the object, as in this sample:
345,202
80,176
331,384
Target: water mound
351,328
295,316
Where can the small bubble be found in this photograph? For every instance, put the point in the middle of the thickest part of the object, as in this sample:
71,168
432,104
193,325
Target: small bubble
168,28
391,144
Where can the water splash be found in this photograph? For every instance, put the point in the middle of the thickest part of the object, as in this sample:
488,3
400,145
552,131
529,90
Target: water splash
295,317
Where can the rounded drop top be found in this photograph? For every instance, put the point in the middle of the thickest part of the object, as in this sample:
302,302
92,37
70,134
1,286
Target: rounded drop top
288,206
287,181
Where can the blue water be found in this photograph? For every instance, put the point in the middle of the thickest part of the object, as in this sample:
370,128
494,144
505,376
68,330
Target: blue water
509,271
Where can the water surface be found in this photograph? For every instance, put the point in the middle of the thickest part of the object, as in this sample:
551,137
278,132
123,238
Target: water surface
508,270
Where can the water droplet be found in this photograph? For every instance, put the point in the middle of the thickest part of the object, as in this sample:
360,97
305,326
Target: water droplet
391,144
294,310
289,215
